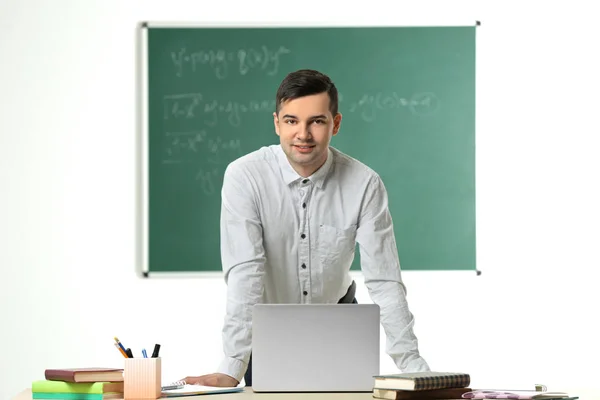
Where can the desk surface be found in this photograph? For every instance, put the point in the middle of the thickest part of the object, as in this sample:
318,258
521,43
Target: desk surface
583,394
249,394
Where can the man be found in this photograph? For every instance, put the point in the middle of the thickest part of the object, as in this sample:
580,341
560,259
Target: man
290,219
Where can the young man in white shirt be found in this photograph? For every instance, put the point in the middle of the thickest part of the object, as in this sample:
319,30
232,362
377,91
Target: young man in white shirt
291,216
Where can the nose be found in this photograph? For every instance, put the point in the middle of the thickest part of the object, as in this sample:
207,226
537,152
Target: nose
303,132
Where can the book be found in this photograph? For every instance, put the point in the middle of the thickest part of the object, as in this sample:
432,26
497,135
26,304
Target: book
76,387
436,394
76,396
194,390
516,395
424,380
94,374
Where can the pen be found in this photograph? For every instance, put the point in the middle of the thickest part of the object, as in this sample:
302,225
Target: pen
156,350
119,343
144,353
129,353
121,350
172,387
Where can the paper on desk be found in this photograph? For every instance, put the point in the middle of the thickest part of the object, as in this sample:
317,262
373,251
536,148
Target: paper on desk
194,390
515,395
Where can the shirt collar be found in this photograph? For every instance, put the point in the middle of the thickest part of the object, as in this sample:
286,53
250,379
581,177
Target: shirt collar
290,175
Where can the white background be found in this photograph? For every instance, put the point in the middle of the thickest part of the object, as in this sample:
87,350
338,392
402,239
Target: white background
67,203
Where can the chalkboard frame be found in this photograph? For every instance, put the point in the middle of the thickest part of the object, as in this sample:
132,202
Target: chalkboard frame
142,199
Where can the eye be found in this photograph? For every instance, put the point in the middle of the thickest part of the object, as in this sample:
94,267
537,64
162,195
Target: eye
290,121
319,121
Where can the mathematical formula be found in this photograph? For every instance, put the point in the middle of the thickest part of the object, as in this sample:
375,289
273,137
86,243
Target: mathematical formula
418,104
196,146
212,112
210,153
223,62
193,105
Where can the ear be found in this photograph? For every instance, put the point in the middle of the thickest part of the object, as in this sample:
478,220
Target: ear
276,123
337,121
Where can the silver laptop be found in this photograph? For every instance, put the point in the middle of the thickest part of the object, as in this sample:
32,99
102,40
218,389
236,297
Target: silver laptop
315,348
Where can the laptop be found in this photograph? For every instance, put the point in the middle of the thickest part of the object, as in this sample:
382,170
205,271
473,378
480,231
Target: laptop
315,347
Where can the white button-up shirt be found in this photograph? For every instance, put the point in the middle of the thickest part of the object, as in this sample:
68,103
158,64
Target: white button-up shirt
289,239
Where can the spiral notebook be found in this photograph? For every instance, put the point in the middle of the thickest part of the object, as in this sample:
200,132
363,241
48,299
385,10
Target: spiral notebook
185,389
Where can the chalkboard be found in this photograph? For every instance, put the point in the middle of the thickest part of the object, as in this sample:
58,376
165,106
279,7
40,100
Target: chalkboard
407,96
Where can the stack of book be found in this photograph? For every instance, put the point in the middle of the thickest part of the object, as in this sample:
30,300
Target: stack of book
79,384
450,386
428,385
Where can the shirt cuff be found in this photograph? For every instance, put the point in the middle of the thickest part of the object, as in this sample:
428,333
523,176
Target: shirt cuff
233,367
417,365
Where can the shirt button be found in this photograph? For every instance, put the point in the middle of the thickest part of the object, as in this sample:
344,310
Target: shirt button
303,265
303,236
305,181
305,293
303,205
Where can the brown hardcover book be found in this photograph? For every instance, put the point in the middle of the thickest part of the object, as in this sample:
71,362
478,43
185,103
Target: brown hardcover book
94,374
437,394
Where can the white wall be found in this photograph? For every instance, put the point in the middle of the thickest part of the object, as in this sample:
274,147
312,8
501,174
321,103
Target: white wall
67,205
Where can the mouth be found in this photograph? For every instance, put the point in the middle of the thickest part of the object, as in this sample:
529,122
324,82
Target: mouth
303,149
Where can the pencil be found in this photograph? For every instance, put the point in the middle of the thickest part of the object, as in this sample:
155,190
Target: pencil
120,350
119,343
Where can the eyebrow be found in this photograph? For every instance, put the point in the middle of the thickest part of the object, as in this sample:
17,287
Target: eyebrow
320,116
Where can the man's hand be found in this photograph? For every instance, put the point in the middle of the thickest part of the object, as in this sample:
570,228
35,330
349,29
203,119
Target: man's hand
220,380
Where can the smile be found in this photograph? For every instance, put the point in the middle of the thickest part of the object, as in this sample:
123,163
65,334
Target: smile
304,149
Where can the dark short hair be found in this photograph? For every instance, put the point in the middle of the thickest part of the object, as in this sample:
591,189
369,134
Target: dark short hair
306,82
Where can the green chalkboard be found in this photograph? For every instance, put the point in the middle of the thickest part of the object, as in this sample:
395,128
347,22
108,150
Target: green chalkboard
407,95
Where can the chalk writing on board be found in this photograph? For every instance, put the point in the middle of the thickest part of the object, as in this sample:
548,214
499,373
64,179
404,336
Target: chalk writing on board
223,62
197,147
418,104
234,109
191,105
209,180
218,146
179,143
424,104
212,112
181,105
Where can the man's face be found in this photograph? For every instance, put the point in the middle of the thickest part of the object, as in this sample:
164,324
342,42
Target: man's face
305,127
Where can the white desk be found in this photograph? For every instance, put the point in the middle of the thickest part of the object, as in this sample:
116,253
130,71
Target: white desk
248,394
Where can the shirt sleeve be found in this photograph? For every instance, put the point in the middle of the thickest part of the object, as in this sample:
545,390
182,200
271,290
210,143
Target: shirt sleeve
243,261
381,269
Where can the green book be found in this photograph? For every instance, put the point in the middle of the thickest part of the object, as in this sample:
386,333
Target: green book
75,396
48,386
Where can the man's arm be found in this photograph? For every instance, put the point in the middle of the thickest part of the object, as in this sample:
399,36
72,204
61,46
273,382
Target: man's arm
381,268
243,260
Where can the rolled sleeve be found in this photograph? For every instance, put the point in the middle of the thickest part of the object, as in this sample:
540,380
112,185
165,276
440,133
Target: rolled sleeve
233,367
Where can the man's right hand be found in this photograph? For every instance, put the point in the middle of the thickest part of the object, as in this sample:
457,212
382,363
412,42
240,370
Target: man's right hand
218,379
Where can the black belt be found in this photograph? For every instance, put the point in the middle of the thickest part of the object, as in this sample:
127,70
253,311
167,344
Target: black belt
350,294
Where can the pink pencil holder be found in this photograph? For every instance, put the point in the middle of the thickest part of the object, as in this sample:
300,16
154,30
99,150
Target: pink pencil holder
142,378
